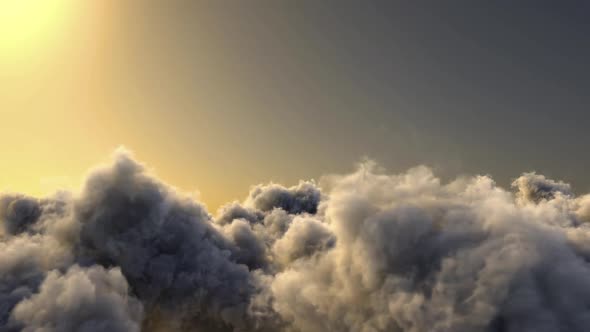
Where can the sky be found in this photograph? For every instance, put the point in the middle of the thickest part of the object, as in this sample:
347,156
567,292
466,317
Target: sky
154,158
219,95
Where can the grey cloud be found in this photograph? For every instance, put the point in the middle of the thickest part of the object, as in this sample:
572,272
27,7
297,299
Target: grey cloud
305,237
235,210
250,248
18,212
24,261
85,300
173,257
303,197
582,209
462,257
369,252
534,187
276,223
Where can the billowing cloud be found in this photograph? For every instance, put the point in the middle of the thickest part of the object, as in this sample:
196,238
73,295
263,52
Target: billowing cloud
534,187
18,213
304,238
303,197
85,300
369,252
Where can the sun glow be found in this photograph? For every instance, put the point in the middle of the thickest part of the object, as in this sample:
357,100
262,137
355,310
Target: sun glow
28,25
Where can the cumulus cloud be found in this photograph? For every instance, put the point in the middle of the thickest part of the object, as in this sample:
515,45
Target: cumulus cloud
166,245
368,252
249,247
235,210
85,300
534,187
18,212
304,238
301,198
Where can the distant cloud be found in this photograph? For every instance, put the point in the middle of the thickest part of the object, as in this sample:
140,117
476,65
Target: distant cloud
370,252
533,187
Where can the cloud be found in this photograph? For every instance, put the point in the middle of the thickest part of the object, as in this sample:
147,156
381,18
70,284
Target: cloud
166,245
533,187
301,198
368,252
18,212
304,238
85,300
235,210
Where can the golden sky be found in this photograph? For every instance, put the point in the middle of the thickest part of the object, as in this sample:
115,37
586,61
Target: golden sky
60,104
50,96
80,78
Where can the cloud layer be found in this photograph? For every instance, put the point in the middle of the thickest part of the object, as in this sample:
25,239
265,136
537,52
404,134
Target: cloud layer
370,252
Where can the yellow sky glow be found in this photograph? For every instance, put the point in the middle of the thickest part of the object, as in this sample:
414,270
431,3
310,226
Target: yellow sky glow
60,110
80,78
45,86
30,25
